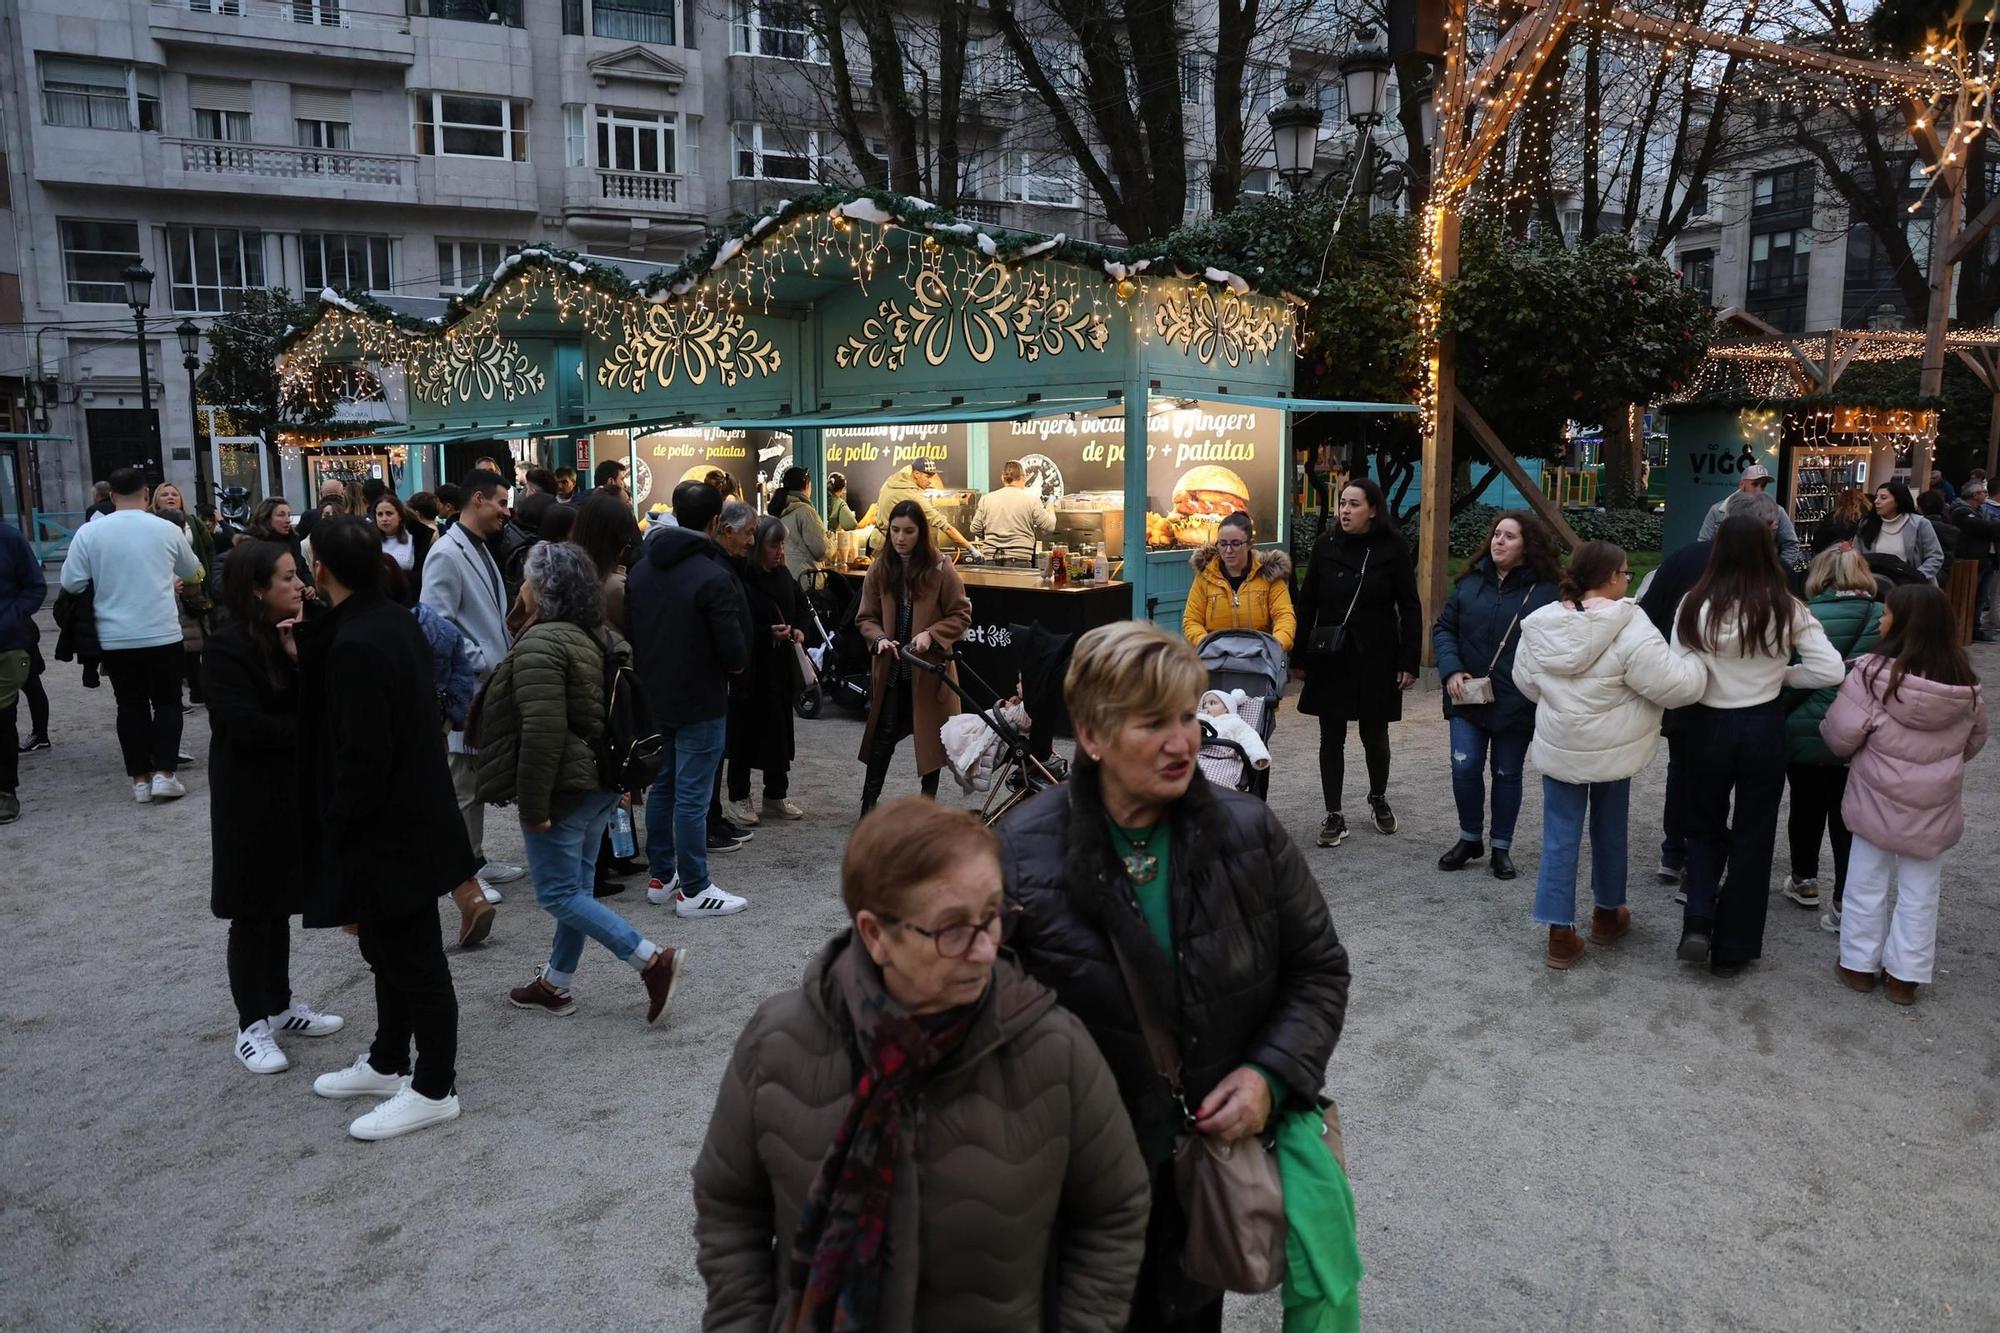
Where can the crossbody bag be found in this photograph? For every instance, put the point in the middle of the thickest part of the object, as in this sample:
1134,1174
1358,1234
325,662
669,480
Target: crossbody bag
1479,689
1331,641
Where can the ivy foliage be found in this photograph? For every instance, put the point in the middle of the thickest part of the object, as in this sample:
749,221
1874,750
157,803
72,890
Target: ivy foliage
241,373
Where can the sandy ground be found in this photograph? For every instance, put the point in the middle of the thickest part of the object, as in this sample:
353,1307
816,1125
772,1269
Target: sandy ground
1627,1145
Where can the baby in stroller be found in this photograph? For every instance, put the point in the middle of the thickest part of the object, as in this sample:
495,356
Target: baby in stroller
1220,713
1247,675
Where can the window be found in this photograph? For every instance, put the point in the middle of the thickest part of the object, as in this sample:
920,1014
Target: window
314,13
334,134
347,262
1196,67
1698,273
1330,96
1788,187
575,138
635,141
209,268
773,28
99,94
1778,262
1698,200
1040,178
634,20
463,265
766,154
451,125
95,257
572,18
875,168
226,126
471,11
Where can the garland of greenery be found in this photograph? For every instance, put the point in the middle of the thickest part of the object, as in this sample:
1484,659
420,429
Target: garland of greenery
1182,250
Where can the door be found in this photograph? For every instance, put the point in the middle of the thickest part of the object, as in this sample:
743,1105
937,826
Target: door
124,437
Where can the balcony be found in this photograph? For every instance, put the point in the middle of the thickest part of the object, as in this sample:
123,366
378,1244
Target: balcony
640,188
206,164
325,28
601,205
988,212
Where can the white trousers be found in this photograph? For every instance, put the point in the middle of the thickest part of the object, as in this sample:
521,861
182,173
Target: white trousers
1873,938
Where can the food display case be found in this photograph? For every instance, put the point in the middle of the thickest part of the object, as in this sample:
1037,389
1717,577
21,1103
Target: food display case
1090,519
1818,475
954,506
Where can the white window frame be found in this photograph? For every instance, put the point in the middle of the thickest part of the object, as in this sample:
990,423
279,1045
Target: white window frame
1029,176
225,127
576,135
751,35
141,97
115,290
427,123
611,122
195,297
310,241
756,146
463,258
335,136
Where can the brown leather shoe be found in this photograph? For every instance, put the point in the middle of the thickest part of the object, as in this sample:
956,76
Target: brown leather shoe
475,914
662,976
1565,947
1608,927
1860,981
1898,990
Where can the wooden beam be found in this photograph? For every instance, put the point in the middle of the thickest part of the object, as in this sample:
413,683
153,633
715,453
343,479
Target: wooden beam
1974,234
1993,443
1931,384
1434,505
1813,372
1757,48
1843,361
1978,366
1543,33
1503,458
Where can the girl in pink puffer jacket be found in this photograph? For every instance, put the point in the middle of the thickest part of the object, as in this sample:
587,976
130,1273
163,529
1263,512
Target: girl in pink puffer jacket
1910,715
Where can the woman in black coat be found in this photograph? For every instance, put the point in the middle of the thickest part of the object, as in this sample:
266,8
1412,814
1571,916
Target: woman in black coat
1362,576
760,717
252,686
1198,891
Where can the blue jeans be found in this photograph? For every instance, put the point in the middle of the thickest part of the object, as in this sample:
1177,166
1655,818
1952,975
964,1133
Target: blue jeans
1470,744
563,862
677,805
1564,805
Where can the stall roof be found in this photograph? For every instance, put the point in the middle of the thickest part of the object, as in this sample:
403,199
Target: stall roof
1018,410
17,436
503,431
1305,404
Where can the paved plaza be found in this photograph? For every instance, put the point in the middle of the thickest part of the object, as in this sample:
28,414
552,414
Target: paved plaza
1628,1145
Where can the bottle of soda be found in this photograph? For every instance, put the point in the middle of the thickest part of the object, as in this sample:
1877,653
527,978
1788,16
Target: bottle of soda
1059,563
623,845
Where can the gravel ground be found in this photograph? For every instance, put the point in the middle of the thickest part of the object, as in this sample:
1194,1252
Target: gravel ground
1630,1144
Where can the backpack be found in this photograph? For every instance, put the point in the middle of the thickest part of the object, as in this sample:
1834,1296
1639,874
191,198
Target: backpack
631,750
513,546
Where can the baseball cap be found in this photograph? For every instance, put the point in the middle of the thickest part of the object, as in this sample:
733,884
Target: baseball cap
1756,472
924,465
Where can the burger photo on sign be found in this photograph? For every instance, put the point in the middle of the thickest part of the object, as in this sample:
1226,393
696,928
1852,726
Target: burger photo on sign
1203,497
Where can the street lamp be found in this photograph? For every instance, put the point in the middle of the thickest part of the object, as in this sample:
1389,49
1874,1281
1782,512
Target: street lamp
1295,126
1364,71
139,295
190,335
1425,93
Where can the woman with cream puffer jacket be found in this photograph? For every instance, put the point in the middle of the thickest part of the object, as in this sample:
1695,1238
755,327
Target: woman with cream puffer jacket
1599,674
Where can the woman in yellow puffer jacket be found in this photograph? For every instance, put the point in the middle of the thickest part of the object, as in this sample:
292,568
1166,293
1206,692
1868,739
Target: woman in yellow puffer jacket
1237,586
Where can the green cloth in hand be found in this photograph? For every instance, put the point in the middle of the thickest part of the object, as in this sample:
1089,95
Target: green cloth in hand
1322,1252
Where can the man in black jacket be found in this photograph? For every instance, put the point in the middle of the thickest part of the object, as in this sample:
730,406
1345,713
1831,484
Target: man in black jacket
1979,540
687,613
1673,580
381,830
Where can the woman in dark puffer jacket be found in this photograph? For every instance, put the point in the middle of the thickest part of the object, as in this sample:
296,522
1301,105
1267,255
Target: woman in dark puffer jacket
1210,903
917,1138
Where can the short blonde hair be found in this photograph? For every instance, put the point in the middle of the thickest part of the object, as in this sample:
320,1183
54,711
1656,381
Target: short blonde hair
1842,568
1131,669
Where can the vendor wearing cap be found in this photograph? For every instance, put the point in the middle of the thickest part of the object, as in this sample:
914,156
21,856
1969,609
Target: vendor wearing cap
1755,478
911,483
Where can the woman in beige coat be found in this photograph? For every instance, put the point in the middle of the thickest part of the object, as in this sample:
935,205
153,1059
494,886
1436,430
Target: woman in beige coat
918,1137
911,598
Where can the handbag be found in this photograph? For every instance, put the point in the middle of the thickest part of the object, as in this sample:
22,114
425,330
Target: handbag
1479,689
1230,1195
805,676
1331,641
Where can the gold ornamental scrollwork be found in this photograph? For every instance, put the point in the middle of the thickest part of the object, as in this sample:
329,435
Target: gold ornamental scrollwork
1208,323
666,342
459,370
995,306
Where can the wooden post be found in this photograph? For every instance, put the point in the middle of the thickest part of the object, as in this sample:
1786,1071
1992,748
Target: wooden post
1434,498
1993,443
1951,209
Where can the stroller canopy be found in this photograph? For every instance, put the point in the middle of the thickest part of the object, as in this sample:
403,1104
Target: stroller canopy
1245,659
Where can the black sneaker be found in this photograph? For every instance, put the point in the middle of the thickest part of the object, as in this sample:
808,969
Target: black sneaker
10,807
1694,945
724,828
722,842
34,743
1385,818
1333,830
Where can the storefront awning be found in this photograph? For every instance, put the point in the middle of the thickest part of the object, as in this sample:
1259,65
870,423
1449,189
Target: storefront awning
637,421
1017,410
383,439
23,436
1306,404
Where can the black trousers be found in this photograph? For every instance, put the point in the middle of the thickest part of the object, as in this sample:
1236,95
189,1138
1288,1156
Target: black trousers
1816,793
36,694
413,998
1333,757
191,672
1739,754
10,749
147,685
891,725
1673,811
260,967
743,724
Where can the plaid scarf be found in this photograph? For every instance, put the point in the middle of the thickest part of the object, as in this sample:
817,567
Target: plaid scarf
838,1253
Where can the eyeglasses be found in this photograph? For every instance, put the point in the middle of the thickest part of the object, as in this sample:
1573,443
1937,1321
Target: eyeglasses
955,942
1230,546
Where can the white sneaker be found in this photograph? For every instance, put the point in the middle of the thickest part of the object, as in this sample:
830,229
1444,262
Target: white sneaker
142,791
1829,921
659,895
1804,892
493,895
1668,874
167,787
711,901
499,872
307,1021
359,1079
258,1050
740,812
403,1113
786,809
184,757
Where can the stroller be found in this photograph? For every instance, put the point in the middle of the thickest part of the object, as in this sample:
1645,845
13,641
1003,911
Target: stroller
1254,662
1007,771
840,657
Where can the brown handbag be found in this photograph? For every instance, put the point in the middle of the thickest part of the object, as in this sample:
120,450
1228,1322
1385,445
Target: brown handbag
1230,1194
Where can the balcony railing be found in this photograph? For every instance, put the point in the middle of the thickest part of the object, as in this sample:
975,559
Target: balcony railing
638,187
987,211
209,157
305,13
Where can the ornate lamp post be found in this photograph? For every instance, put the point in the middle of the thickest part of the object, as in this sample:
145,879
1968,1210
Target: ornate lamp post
139,295
189,334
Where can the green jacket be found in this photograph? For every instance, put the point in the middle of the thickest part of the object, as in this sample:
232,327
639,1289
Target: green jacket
540,719
1853,624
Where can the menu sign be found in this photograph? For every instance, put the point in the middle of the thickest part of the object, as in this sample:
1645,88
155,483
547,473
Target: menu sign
869,455
666,458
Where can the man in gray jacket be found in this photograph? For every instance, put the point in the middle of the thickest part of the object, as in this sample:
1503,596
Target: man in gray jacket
1007,522
1757,477
462,583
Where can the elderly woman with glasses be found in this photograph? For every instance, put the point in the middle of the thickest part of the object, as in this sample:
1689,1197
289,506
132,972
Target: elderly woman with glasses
918,1137
1143,885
